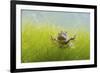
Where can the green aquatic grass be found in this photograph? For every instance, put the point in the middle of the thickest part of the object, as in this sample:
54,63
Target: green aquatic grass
38,47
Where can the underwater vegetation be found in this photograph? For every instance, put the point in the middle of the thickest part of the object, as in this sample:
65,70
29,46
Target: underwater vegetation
37,45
